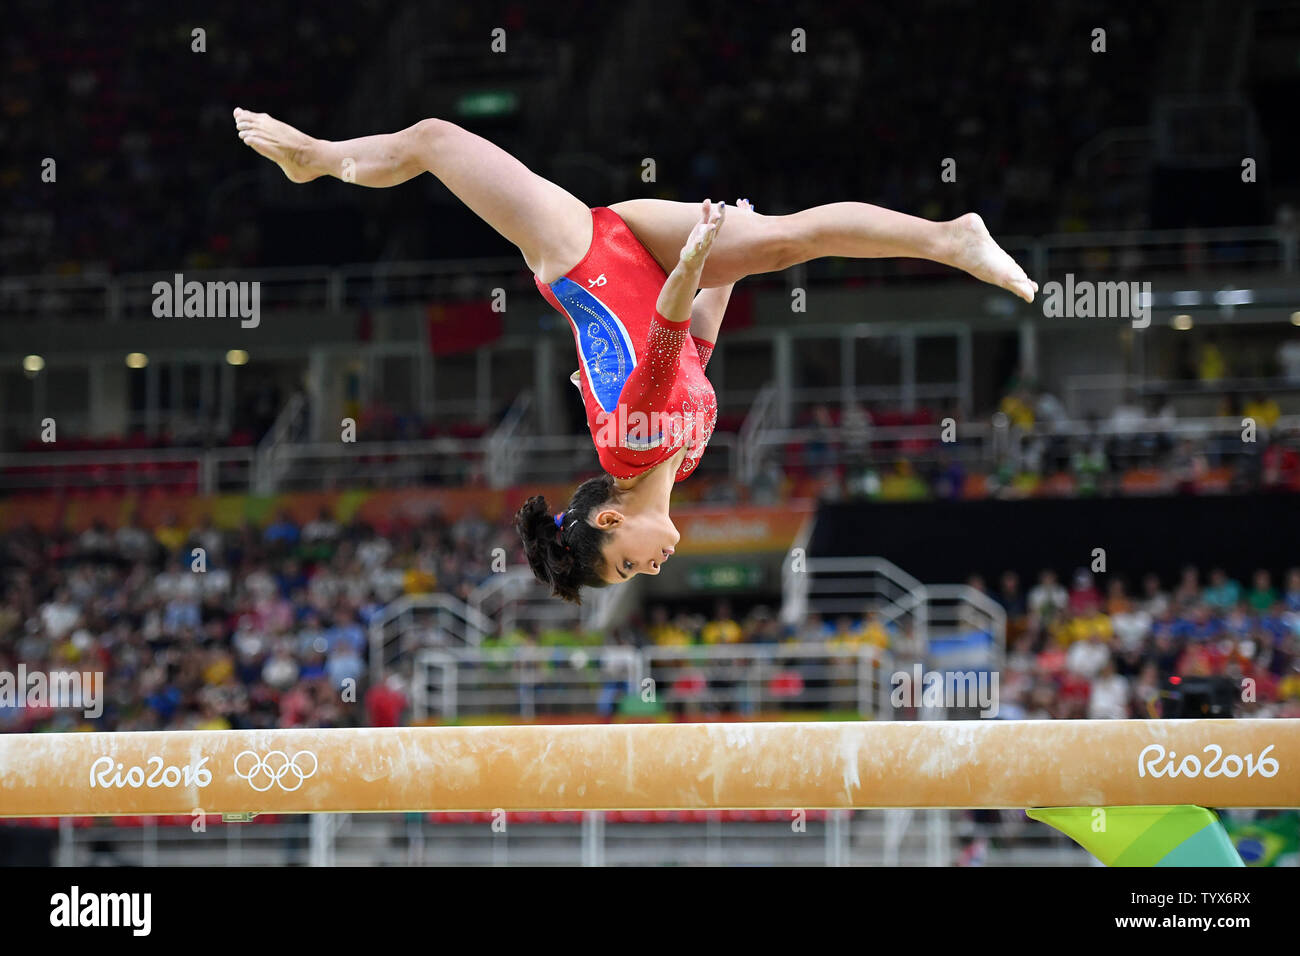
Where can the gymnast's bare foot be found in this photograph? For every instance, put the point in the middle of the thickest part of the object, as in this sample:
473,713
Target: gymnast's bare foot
279,142
973,250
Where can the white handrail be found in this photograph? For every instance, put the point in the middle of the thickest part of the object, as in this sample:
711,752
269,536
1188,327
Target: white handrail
756,423
411,460
269,463
503,456
470,626
359,285
452,680
911,599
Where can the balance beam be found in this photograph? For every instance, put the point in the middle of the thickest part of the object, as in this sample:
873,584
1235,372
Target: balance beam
988,764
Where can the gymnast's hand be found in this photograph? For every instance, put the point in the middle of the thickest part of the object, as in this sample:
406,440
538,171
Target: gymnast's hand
700,241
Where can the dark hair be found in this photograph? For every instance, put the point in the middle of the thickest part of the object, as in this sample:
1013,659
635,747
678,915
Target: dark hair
567,556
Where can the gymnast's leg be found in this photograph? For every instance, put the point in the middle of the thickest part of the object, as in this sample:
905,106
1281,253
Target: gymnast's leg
754,243
551,227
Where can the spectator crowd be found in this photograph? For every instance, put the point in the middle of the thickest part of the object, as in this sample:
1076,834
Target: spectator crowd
210,628
203,628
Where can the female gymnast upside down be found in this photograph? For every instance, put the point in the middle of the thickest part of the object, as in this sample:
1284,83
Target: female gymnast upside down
644,284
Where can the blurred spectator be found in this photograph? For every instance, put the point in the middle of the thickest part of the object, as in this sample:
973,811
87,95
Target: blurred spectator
1223,592
1262,596
170,534
1132,624
877,633
1110,695
282,531
1018,407
1154,601
385,702
322,528
1084,596
1047,599
1263,410
1291,599
1210,366
1009,596
1280,468
722,629
133,542
1188,591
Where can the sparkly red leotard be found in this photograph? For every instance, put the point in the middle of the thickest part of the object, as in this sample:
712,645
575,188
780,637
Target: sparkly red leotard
641,376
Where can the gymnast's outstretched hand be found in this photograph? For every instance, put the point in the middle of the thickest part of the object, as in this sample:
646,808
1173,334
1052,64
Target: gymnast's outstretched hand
700,241
675,297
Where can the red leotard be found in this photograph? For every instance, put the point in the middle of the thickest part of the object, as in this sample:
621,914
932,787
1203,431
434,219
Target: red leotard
641,376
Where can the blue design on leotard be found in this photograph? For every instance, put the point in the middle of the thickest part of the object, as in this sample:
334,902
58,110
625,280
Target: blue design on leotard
604,346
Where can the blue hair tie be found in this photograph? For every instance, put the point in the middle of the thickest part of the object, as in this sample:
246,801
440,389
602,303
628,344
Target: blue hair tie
559,519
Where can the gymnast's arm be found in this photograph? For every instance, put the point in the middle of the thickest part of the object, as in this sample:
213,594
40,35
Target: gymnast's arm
677,297
647,390
710,306
707,312
650,385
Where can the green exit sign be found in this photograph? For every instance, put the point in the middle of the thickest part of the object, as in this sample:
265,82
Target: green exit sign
725,577
488,103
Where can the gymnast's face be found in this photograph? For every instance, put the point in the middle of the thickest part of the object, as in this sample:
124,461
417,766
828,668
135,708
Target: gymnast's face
638,543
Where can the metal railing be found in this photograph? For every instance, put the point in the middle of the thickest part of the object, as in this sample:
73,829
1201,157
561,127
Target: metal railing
760,421
541,458
502,455
428,461
457,682
515,598
988,445
750,678
415,622
912,613
1107,390
368,285
325,465
831,586
453,683
130,295
270,464
206,471
757,838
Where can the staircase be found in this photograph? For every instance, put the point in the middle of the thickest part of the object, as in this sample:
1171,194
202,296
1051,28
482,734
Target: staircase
270,463
953,621
415,622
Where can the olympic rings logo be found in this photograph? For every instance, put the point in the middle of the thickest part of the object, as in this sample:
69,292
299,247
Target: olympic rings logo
273,769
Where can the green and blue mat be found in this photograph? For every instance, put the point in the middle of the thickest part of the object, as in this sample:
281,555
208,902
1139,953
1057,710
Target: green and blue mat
1145,836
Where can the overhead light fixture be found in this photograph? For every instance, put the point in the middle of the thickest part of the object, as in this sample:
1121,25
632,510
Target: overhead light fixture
1181,322
33,364
237,357
137,360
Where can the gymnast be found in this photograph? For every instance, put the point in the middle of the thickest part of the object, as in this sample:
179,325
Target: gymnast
644,284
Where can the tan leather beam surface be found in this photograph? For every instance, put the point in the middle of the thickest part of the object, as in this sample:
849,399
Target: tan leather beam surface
1219,763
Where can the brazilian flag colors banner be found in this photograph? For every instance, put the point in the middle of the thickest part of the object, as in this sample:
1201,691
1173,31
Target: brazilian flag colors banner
1271,840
